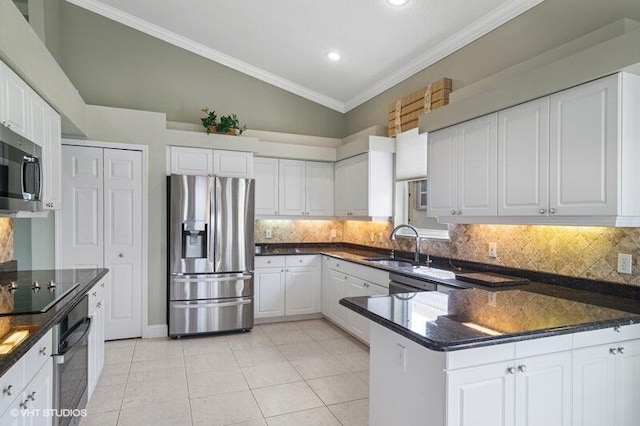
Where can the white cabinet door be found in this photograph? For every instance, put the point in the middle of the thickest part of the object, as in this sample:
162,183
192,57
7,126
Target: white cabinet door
266,175
52,164
191,161
442,169
269,293
292,188
37,118
342,191
233,163
481,396
477,167
358,324
96,336
319,188
543,390
583,150
523,159
326,286
301,291
627,408
358,184
14,98
339,288
40,394
594,386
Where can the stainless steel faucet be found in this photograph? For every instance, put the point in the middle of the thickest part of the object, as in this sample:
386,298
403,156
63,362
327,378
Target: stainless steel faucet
392,237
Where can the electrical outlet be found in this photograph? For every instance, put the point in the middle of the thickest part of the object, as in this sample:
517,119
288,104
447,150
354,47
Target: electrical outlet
625,262
401,357
268,234
492,299
333,233
381,237
372,237
493,250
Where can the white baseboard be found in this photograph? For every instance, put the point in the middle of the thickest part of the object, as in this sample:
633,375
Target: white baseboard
155,330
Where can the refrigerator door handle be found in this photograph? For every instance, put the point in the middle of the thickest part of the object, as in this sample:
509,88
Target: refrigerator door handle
210,305
212,279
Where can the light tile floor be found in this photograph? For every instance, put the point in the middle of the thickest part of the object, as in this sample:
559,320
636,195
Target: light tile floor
293,373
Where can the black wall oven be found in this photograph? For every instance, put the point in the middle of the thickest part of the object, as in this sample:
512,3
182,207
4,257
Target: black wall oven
71,359
20,173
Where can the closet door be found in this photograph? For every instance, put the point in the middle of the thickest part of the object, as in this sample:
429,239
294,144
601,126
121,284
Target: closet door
82,208
123,242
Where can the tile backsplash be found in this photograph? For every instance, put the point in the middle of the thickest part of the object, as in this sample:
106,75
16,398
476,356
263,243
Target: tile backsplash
583,252
6,239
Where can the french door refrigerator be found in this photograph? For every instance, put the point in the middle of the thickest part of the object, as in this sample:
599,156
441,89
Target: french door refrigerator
210,254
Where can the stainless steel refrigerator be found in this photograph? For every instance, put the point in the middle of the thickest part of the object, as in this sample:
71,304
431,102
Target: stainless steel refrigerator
210,254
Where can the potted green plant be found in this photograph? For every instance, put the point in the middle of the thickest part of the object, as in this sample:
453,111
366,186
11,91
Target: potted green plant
228,124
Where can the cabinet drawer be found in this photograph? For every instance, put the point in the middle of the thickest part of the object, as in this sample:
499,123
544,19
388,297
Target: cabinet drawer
302,260
606,335
39,353
11,384
478,356
269,261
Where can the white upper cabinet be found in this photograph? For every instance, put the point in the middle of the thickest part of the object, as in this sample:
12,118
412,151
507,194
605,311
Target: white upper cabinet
585,136
52,163
523,159
364,185
208,162
38,118
566,159
293,188
462,169
14,98
266,175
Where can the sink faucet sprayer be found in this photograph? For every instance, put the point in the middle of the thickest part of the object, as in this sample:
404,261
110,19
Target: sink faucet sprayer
392,237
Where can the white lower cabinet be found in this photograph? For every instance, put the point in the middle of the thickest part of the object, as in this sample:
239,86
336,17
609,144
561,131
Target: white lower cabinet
97,334
287,285
528,391
347,279
605,385
27,388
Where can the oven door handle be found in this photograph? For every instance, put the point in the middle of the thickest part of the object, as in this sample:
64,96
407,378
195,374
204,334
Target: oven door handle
210,305
212,279
84,324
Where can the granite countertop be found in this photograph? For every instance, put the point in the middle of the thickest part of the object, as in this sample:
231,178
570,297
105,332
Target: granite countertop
548,305
40,324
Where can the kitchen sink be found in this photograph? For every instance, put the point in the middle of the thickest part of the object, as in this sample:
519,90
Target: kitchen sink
434,273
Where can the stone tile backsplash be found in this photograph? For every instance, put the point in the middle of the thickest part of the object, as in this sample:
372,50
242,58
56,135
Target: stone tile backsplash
6,239
583,252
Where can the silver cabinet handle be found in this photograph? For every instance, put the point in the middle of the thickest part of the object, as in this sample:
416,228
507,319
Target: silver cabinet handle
23,404
542,211
120,255
621,350
616,329
7,390
43,350
94,294
511,370
268,261
459,212
453,212
522,368
552,210
99,305
612,351
32,396
299,260
102,285
365,285
275,212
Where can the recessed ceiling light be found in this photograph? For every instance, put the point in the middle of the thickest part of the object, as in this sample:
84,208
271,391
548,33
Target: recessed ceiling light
397,2
334,56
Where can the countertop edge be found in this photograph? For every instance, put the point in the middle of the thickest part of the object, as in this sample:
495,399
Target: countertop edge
12,357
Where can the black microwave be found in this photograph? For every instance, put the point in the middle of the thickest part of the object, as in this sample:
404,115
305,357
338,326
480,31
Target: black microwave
20,173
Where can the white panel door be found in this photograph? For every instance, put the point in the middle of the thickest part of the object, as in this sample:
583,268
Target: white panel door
15,103
266,175
584,149
292,181
123,242
481,396
82,208
627,408
339,290
358,325
52,153
341,190
301,293
359,185
477,167
38,119
594,387
191,161
319,188
523,159
543,390
442,169
233,163
269,293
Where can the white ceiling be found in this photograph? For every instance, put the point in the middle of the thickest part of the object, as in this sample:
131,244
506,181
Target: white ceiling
284,42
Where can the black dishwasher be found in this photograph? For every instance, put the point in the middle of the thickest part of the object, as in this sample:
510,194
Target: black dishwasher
71,359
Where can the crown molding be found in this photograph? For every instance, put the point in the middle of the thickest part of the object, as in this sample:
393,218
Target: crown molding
153,30
489,22
486,24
